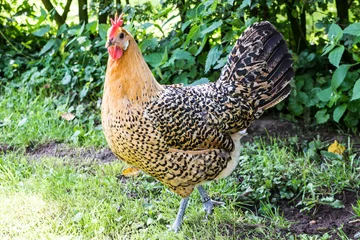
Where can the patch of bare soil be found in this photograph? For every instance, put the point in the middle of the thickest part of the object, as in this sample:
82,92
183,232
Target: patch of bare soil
5,148
61,150
325,219
272,126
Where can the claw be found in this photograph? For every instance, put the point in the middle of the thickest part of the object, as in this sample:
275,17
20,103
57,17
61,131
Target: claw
209,206
207,202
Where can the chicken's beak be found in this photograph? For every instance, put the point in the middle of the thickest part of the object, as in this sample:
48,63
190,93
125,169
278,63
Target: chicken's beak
109,43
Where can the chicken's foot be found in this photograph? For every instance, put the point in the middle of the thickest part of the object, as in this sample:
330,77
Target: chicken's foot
207,202
179,218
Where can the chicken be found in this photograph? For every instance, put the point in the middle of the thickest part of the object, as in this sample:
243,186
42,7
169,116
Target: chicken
187,136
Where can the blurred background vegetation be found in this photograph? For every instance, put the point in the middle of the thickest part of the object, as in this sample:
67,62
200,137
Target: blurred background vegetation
55,49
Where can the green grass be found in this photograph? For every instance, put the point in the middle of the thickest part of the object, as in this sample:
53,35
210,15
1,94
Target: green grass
31,118
356,208
57,199
274,172
52,198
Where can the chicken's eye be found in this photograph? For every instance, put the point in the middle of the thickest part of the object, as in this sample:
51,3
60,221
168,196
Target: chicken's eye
122,35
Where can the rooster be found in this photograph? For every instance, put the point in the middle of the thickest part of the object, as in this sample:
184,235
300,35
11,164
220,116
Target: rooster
187,136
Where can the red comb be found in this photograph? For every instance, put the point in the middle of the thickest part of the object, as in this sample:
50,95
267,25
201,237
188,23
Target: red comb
118,22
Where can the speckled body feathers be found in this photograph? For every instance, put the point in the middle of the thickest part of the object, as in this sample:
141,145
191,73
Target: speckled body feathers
185,136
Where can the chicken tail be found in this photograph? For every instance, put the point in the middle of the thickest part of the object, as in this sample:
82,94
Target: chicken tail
259,67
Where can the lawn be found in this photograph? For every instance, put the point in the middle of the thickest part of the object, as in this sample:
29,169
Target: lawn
58,181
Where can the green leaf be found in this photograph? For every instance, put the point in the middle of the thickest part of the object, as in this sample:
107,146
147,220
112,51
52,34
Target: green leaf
335,32
47,46
313,99
103,28
335,55
165,56
229,36
212,27
321,116
295,108
81,30
324,95
302,97
180,54
42,16
185,25
66,79
337,204
212,57
245,3
61,29
163,12
73,31
41,31
221,62
339,76
339,112
182,78
210,5
83,93
193,34
148,43
353,29
335,96
200,81
330,156
327,49
356,90
203,42
91,26
154,59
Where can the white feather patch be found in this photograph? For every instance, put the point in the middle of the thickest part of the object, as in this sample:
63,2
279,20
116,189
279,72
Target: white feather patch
235,155
126,45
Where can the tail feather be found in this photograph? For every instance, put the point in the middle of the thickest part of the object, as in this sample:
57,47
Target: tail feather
260,67
276,56
277,97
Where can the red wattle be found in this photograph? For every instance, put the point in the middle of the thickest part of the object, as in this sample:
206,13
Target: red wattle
115,52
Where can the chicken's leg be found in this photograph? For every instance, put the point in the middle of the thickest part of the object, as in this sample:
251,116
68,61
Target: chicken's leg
207,202
179,218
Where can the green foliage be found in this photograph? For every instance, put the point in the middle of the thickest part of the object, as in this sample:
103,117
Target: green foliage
356,208
184,45
273,173
195,48
337,93
340,99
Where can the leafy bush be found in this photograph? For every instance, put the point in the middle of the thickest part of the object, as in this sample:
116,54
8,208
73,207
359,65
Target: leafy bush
187,42
332,95
342,96
199,40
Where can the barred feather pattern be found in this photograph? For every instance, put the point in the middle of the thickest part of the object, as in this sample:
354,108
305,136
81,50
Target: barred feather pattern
256,77
184,136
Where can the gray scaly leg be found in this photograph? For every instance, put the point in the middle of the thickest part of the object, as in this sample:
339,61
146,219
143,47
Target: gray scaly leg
179,218
207,202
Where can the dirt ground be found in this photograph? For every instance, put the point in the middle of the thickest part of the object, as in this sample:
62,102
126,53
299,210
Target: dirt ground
323,219
269,126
